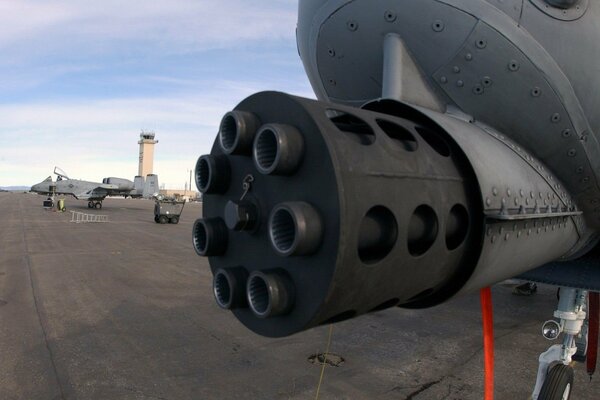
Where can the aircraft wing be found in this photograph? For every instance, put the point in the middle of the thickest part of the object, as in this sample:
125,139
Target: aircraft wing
98,192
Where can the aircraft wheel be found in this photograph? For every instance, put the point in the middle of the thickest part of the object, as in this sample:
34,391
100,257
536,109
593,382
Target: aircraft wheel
156,219
163,219
174,220
90,205
98,205
558,384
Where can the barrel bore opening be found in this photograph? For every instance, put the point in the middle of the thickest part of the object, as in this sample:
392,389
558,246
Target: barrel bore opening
399,134
422,230
266,149
202,174
377,235
222,290
258,295
457,226
283,230
228,133
200,238
354,127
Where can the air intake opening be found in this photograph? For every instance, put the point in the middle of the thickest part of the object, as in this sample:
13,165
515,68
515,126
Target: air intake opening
434,140
354,127
457,226
258,295
377,235
399,134
422,230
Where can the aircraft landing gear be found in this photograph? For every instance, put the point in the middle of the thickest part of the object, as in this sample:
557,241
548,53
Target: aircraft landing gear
555,374
95,204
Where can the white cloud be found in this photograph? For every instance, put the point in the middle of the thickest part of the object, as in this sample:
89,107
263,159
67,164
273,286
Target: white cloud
174,25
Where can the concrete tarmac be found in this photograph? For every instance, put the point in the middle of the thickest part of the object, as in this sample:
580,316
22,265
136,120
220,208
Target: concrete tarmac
124,310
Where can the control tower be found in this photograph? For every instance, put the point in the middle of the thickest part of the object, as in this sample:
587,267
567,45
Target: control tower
146,143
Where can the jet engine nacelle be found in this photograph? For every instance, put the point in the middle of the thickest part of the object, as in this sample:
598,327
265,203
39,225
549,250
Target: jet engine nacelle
315,213
123,184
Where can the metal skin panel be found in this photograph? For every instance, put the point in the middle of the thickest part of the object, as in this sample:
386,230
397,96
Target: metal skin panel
532,101
350,43
489,68
570,10
512,8
576,49
582,273
508,178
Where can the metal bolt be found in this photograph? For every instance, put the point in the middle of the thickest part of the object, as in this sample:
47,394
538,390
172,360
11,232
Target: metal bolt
438,25
352,25
481,43
390,16
513,65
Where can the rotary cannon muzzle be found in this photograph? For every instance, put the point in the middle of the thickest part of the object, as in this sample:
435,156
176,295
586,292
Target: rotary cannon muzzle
335,211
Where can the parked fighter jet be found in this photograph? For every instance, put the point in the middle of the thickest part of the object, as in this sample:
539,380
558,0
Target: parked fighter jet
455,144
96,192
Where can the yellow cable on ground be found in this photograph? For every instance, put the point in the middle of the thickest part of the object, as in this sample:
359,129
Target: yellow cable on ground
324,361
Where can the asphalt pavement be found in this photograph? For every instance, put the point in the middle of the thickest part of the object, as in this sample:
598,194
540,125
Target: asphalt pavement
124,310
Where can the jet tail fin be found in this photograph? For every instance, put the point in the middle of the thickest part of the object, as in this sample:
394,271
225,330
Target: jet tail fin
151,185
138,184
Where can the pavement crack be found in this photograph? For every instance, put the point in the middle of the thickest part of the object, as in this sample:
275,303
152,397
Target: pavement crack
423,388
36,304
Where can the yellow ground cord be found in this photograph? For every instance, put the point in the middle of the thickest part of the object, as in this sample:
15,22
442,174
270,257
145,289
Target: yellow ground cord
324,361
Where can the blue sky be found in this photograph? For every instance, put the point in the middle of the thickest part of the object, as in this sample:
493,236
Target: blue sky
80,80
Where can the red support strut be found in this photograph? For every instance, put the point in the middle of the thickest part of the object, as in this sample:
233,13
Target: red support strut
488,342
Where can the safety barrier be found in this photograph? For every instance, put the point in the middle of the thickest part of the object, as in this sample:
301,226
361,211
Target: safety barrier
79,217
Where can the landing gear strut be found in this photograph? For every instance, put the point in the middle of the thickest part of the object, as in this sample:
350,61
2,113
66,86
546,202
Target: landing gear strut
555,374
95,204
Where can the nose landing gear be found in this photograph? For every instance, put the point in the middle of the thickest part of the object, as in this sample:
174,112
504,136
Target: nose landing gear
555,373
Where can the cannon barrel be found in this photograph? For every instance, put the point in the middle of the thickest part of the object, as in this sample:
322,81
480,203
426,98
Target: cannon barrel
337,211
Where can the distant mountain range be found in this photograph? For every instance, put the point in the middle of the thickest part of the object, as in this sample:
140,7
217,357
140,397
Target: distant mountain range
15,188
